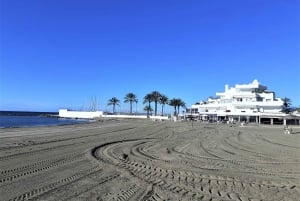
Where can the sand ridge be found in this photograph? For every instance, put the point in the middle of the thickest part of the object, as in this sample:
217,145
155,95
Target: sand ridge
146,160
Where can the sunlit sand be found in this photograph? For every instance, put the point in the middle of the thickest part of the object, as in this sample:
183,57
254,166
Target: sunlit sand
148,160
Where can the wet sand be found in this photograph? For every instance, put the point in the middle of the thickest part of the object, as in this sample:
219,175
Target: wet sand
146,160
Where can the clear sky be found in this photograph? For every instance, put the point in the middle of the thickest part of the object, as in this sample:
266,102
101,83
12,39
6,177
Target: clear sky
60,53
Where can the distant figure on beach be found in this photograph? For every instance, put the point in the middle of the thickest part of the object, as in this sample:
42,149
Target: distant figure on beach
287,130
244,123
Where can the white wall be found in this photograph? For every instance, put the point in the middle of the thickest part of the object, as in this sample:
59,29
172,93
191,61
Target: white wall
90,115
79,114
135,116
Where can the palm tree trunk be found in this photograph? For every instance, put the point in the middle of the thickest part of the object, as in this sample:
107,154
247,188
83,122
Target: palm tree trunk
155,108
162,110
130,107
148,111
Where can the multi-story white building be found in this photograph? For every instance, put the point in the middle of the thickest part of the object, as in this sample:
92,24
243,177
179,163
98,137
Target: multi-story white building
244,102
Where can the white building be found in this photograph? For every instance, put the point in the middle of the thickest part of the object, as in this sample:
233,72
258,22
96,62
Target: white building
244,102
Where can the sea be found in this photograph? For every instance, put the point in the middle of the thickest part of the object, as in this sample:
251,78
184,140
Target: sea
15,119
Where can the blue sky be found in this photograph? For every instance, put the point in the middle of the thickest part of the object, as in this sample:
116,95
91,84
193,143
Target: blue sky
57,54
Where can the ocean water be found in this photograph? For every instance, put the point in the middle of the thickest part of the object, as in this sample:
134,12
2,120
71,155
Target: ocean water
33,119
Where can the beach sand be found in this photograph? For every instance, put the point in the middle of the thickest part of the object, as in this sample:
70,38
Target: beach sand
147,160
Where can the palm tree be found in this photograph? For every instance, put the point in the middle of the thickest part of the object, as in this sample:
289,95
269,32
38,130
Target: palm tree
174,102
136,102
163,100
113,101
180,104
286,105
177,103
130,97
148,99
148,108
156,97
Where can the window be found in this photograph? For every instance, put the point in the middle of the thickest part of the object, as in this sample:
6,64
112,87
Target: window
259,99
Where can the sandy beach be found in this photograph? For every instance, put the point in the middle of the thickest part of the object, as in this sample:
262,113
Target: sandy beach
148,160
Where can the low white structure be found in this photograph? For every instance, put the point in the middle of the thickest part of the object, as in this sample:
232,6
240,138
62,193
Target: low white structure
135,116
64,113
245,102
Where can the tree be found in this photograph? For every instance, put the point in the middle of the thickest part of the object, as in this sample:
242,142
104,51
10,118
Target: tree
130,97
163,100
180,104
148,108
174,102
148,99
155,97
136,102
113,101
286,108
